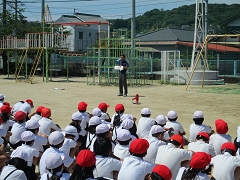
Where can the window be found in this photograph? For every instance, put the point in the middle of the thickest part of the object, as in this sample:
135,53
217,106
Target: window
89,34
80,35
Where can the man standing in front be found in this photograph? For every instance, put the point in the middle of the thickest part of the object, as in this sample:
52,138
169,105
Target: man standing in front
122,75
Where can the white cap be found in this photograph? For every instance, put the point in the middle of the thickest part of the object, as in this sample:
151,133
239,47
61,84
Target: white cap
96,112
145,111
126,116
161,119
172,114
198,114
32,124
27,136
55,138
2,96
72,131
127,123
77,116
156,129
95,120
102,128
53,161
19,153
123,135
1,141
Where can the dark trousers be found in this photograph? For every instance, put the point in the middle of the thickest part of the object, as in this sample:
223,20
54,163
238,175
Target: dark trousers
122,83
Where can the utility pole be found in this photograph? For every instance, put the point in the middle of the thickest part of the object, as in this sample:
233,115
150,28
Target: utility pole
4,12
43,9
133,27
16,7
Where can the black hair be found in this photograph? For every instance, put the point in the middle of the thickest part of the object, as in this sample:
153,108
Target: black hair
175,119
102,146
76,125
28,142
5,117
124,142
18,163
58,145
82,111
92,129
157,134
175,143
117,121
54,171
33,130
138,155
103,135
80,173
190,173
20,122
155,176
198,121
68,135
198,137
123,55
145,115
232,152
162,125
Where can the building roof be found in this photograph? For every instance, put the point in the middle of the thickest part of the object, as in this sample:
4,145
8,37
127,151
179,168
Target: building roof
229,20
169,34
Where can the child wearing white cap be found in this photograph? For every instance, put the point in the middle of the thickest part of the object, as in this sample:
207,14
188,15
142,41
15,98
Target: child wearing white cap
70,145
172,123
154,143
198,126
106,166
121,150
16,166
56,140
54,165
145,123
5,112
161,120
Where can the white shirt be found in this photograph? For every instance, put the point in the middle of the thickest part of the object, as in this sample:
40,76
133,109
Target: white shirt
104,116
36,117
31,152
17,130
25,107
46,125
134,168
67,161
39,142
65,176
144,127
195,129
16,175
67,145
91,138
217,140
199,176
85,119
3,133
224,166
105,166
1,103
7,125
172,157
153,148
176,126
16,107
201,146
121,151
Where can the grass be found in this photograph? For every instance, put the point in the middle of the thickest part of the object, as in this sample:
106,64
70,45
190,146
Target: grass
226,89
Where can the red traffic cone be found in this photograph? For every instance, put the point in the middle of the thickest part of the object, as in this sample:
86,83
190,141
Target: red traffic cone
136,99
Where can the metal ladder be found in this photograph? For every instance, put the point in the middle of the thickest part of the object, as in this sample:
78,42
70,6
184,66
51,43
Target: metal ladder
20,63
35,64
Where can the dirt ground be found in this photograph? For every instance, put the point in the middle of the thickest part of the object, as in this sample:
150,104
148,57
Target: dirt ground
159,98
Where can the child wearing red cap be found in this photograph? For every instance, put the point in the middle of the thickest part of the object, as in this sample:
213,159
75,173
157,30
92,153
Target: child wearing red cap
198,163
172,154
221,136
26,107
161,172
104,115
226,163
134,167
37,114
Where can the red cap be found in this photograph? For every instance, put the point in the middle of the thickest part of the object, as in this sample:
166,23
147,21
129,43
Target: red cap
229,145
103,106
203,134
30,102
20,115
82,106
1,121
119,107
178,138
200,160
163,171
139,146
6,103
5,109
39,109
46,112
221,126
86,158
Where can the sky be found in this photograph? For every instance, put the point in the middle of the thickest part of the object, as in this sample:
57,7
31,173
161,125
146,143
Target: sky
108,9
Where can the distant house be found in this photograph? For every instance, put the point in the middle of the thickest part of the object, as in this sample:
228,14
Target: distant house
84,30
